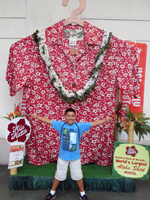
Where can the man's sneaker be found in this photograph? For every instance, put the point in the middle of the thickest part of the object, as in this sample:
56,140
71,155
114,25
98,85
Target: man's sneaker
84,197
50,196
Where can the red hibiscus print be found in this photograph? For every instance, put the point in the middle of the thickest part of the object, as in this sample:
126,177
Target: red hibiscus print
18,131
131,151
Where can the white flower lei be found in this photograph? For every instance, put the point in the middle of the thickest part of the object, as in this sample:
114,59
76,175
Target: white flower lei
54,76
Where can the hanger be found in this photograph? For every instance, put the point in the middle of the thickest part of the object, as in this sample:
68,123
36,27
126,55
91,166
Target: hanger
74,18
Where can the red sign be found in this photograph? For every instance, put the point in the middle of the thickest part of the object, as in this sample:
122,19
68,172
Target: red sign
136,104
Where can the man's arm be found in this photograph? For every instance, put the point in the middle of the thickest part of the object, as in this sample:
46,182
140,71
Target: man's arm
46,120
99,122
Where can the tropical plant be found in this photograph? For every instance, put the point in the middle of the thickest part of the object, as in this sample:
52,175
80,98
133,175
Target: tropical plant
124,118
16,113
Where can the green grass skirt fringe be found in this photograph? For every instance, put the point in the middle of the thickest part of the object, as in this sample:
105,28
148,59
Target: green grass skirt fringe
91,184
96,178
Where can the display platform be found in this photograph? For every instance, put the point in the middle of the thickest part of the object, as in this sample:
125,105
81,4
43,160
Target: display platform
96,178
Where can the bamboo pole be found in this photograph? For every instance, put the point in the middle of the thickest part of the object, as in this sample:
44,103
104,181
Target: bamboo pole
115,130
131,132
13,171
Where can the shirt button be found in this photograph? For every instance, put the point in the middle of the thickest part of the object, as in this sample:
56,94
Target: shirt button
73,85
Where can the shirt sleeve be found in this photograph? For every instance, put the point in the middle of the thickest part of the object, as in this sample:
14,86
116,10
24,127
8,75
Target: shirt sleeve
126,60
19,68
84,126
57,125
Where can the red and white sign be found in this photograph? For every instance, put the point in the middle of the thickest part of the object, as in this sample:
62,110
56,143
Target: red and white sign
18,131
136,104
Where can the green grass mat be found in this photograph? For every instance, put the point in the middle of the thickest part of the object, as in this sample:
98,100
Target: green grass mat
48,170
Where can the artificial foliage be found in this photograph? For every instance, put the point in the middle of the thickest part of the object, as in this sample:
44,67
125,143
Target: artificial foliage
91,184
96,178
124,118
16,113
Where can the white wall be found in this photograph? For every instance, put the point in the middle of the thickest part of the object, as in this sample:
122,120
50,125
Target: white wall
127,19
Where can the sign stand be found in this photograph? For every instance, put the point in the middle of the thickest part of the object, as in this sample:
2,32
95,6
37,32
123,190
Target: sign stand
13,171
17,133
116,130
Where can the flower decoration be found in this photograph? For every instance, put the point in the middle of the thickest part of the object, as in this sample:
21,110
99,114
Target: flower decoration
16,113
69,96
124,119
18,132
131,151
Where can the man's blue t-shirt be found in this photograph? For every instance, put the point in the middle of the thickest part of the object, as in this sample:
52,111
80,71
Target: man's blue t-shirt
70,136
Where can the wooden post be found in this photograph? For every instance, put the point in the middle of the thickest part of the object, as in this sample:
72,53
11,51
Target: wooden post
116,130
131,132
13,171
115,127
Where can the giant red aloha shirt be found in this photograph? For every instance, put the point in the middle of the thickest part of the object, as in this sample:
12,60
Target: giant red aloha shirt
27,69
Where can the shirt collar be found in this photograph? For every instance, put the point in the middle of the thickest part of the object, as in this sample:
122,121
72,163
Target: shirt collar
92,34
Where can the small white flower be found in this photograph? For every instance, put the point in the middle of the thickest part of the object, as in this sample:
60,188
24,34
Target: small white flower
56,85
91,81
80,92
70,94
53,73
86,87
59,83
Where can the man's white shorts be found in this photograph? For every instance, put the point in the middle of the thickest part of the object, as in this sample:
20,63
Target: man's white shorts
75,169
